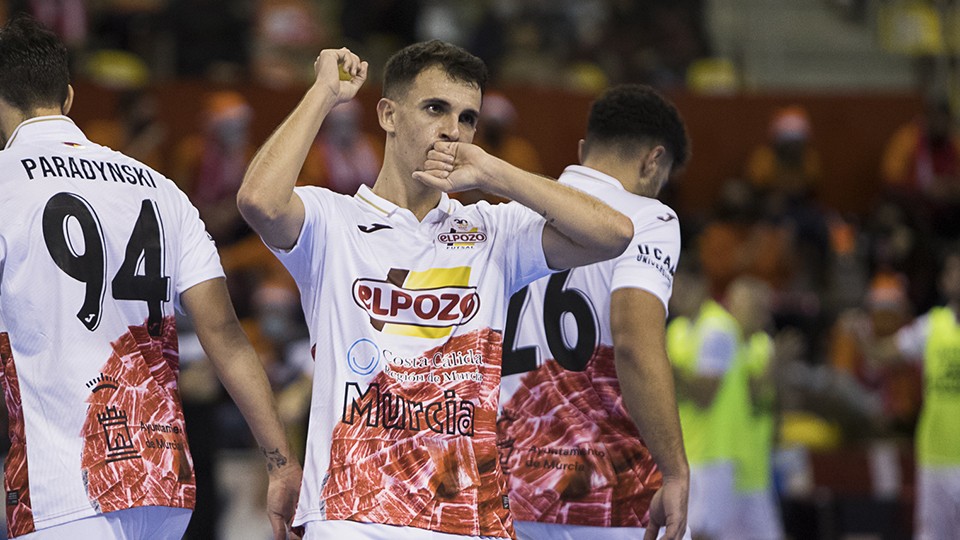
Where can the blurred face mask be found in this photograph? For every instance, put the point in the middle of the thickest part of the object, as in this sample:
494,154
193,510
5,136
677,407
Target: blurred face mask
231,132
275,326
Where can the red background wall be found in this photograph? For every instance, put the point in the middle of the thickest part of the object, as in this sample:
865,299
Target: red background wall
849,130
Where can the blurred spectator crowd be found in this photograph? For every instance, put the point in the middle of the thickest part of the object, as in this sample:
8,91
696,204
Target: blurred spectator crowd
832,276
579,44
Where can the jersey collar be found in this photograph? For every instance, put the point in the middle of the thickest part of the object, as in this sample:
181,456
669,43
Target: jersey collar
54,127
593,174
386,208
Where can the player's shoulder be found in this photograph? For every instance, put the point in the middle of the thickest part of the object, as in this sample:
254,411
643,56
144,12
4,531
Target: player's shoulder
324,196
611,191
337,210
650,214
10,163
648,207
154,177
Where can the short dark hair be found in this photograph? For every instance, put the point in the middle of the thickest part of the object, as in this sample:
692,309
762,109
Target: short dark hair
34,68
404,66
629,115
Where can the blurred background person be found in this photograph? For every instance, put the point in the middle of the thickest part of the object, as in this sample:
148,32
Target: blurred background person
137,129
210,165
788,162
921,167
756,514
739,239
896,387
711,396
933,340
286,34
497,134
853,90
786,171
344,156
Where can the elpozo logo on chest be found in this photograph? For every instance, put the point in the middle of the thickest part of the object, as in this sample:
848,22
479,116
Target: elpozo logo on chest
422,304
462,235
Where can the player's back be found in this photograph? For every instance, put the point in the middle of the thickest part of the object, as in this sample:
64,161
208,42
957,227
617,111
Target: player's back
572,452
94,248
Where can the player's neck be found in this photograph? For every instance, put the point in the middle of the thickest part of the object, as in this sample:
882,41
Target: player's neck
646,187
402,190
11,117
626,173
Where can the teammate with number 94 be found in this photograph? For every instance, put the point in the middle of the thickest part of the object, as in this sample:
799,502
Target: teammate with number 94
584,358
96,249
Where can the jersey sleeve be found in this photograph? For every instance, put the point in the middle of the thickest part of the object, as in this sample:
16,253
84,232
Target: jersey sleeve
300,259
199,260
520,231
651,259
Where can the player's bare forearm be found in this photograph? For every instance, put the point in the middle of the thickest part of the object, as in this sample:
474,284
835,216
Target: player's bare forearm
266,199
646,377
646,383
239,369
580,229
236,363
648,396
244,379
647,386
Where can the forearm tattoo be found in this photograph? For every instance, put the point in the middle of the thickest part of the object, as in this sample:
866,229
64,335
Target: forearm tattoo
275,460
549,219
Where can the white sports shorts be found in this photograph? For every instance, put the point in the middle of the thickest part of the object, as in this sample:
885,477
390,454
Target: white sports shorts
938,503
531,530
353,530
140,523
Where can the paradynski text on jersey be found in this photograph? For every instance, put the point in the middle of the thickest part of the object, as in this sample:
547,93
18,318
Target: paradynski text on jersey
376,408
86,169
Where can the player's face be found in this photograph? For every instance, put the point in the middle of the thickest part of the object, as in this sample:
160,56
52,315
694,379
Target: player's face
435,108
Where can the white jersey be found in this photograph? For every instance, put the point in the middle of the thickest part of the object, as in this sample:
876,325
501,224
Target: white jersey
406,319
571,452
95,249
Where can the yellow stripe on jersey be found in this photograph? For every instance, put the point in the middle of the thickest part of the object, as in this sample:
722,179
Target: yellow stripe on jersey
458,276
381,210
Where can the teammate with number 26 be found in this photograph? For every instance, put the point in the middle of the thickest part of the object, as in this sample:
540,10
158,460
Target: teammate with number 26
584,358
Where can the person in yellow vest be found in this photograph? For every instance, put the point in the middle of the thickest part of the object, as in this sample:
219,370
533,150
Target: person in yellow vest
712,398
756,514
934,340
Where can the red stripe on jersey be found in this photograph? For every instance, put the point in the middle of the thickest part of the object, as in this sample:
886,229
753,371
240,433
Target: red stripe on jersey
15,482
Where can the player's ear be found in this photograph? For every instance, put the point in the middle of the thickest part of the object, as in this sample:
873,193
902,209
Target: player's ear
67,103
580,151
651,161
386,114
